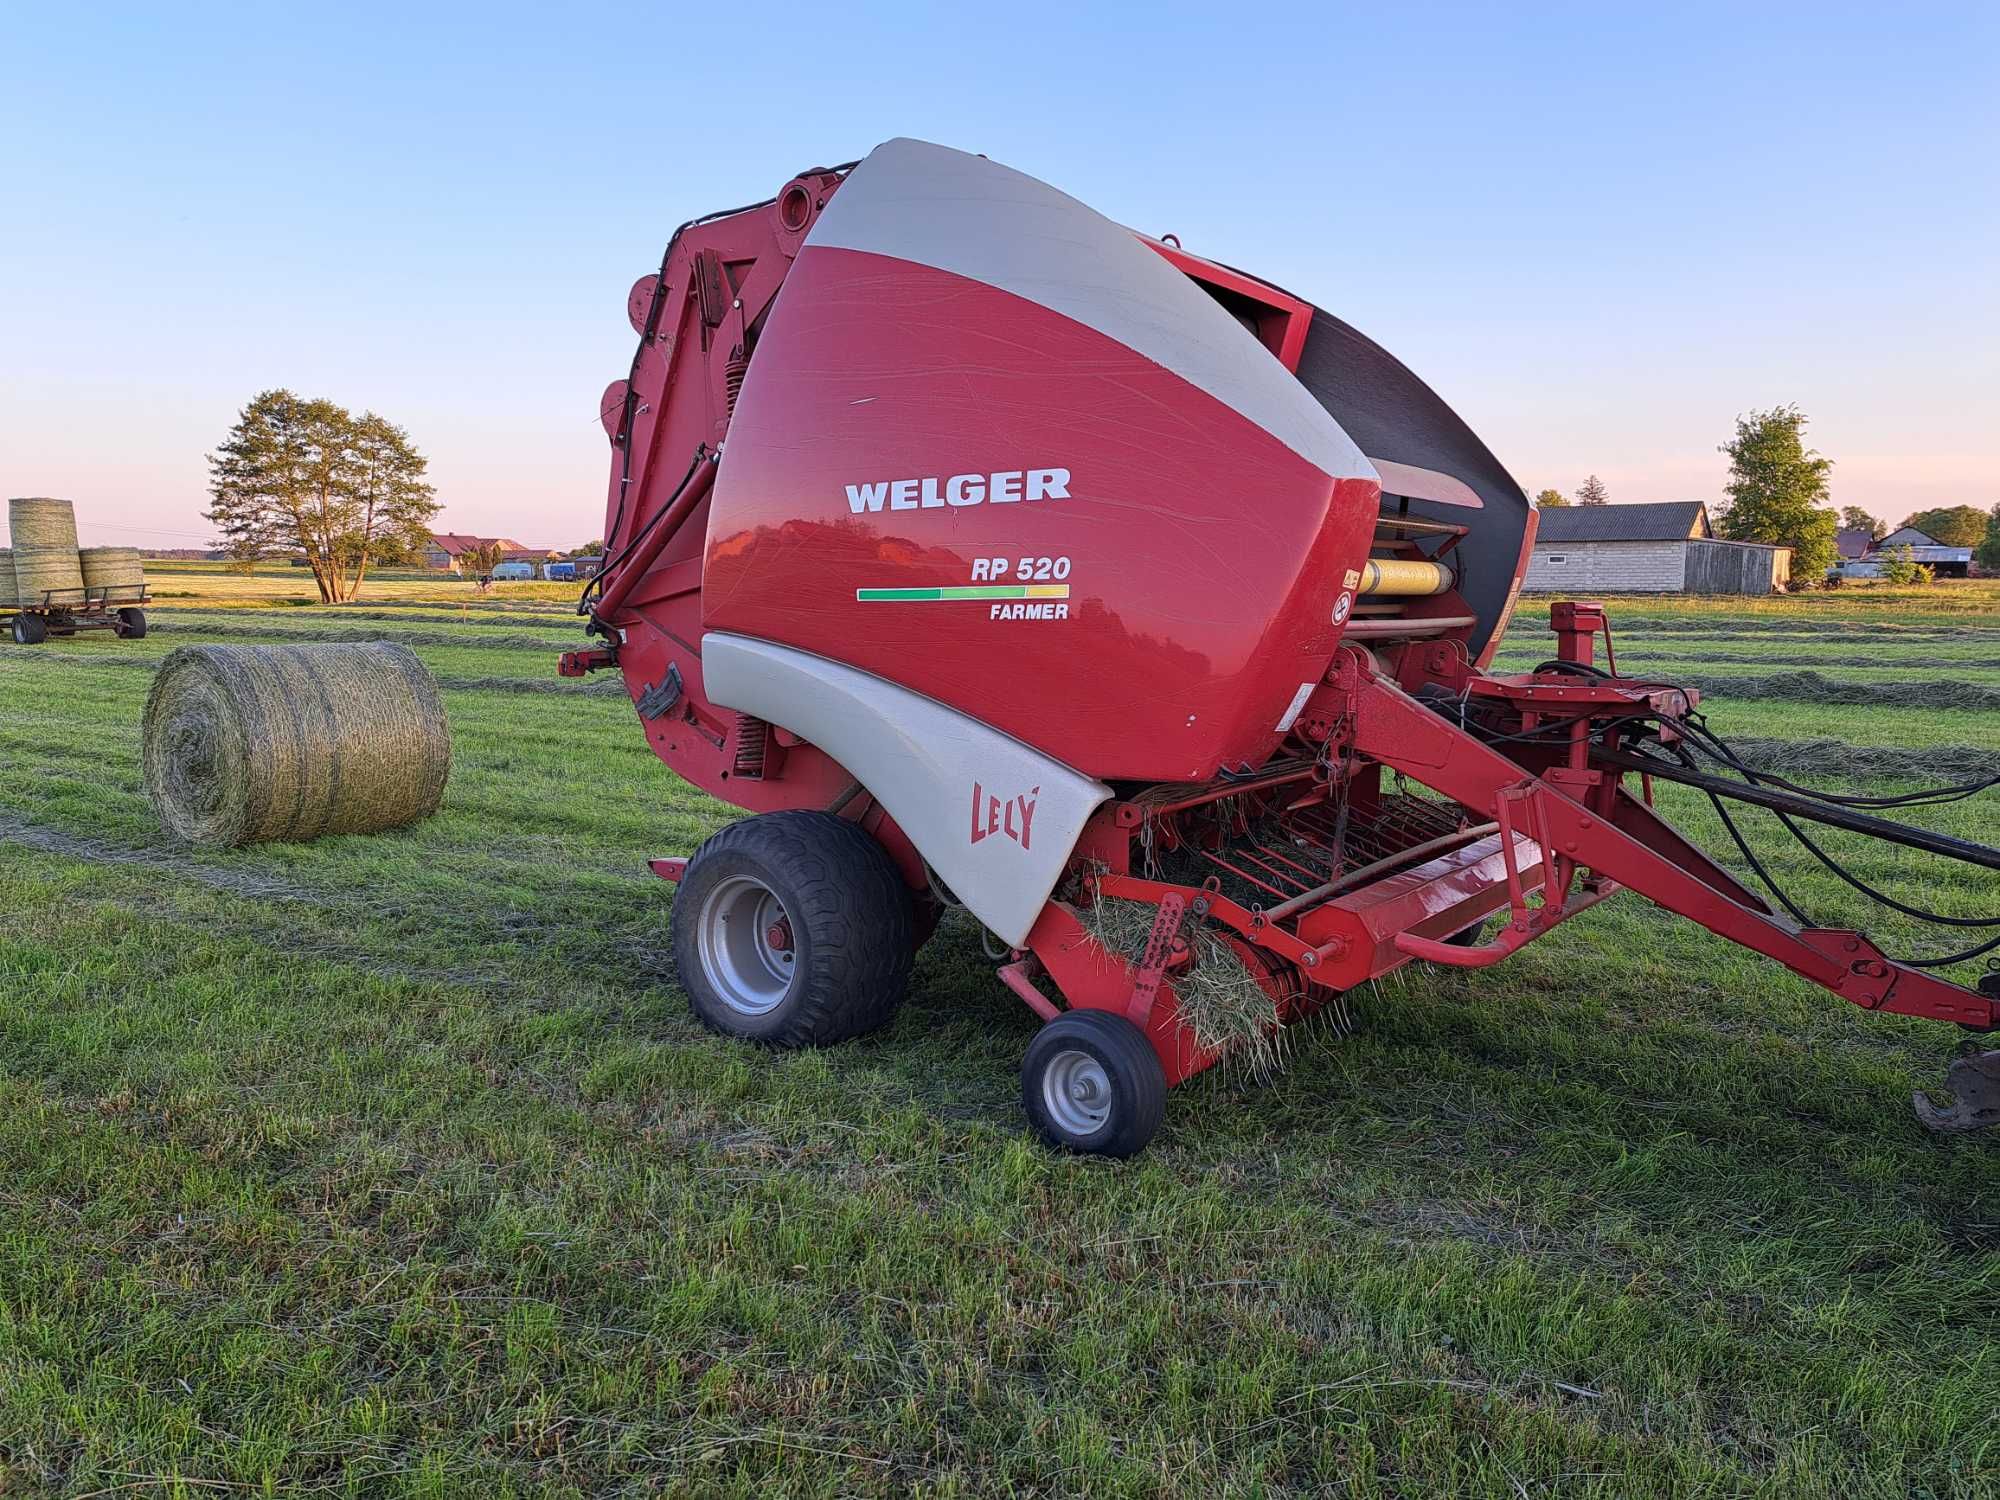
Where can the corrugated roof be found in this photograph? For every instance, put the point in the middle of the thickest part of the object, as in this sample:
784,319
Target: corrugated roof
1661,521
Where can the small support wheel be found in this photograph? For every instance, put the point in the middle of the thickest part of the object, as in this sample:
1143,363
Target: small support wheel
793,929
131,625
1092,1083
30,630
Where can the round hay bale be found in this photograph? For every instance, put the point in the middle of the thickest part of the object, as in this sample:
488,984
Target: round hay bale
44,536
245,744
6,577
119,571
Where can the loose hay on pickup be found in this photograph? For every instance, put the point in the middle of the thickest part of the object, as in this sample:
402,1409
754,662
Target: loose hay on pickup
245,744
1220,1000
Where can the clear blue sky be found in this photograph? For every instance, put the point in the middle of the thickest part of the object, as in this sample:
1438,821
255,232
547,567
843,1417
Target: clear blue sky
1600,233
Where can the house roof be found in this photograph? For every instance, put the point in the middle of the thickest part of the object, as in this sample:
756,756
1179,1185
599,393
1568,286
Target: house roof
1661,521
455,543
1853,541
1909,536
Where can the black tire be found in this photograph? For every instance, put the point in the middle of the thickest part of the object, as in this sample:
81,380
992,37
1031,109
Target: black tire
1129,1086
848,914
131,624
1472,937
30,630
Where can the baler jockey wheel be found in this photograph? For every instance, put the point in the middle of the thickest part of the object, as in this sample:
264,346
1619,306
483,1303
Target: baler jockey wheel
1092,1082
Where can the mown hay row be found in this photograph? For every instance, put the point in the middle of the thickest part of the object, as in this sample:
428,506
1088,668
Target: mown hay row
1666,659
1814,687
1855,763
1622,629
594,687
546,644
247,744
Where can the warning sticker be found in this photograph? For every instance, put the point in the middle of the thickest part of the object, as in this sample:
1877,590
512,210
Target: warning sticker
1298,702
1353,577
1341,606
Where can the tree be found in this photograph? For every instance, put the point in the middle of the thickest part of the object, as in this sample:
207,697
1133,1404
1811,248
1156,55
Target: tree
309,476
1551,500
1901,568
1854,518
1989,549
1592,492
588,549
1952,525
1777,490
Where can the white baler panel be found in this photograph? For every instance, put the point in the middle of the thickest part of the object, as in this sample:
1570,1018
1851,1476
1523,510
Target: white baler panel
975,218
995,819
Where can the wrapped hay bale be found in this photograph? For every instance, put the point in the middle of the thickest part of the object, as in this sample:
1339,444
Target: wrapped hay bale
119,571
44,535
244,744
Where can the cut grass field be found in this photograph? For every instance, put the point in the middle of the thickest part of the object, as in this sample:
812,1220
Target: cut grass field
395,1165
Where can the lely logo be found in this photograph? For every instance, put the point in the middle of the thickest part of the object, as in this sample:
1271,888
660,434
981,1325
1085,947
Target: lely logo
934,492
1010,817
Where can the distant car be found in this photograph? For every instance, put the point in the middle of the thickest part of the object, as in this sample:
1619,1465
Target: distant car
513,570
559,572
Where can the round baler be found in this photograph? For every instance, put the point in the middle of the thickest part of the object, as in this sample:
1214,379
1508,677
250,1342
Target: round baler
991,554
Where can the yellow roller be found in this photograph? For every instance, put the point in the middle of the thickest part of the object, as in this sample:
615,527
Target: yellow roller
1400,576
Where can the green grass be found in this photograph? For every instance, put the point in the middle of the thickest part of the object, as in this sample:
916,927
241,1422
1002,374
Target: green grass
395,1166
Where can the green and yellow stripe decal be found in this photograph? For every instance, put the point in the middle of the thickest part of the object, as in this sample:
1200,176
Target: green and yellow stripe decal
969,591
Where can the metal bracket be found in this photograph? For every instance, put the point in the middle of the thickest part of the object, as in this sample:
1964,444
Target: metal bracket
1159,952
659,699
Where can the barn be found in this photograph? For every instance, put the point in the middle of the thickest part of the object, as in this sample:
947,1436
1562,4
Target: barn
1663,548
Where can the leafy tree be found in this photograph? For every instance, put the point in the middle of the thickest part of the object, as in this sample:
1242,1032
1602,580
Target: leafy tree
1551,500
484,558
1592,492
1952,525
588,549
1854,518
1777,490
1901,568
298,475
1989,548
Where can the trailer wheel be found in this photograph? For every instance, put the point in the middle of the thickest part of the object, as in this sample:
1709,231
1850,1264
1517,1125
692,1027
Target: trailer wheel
1091,1082
30,630
793,929
131,625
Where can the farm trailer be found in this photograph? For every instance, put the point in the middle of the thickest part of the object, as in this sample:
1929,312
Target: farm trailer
989,553
113,607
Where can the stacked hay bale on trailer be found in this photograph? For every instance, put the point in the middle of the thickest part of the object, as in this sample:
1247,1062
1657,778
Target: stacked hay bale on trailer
56,588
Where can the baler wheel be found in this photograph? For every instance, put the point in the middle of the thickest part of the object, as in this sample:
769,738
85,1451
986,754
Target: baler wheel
1092,1083
792,929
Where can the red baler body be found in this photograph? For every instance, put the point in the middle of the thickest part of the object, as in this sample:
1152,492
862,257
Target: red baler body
1044,551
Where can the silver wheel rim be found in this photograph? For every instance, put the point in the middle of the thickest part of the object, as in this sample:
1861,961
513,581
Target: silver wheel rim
748,971
1076,1091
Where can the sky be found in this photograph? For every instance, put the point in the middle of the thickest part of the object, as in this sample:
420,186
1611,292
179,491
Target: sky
1600,232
